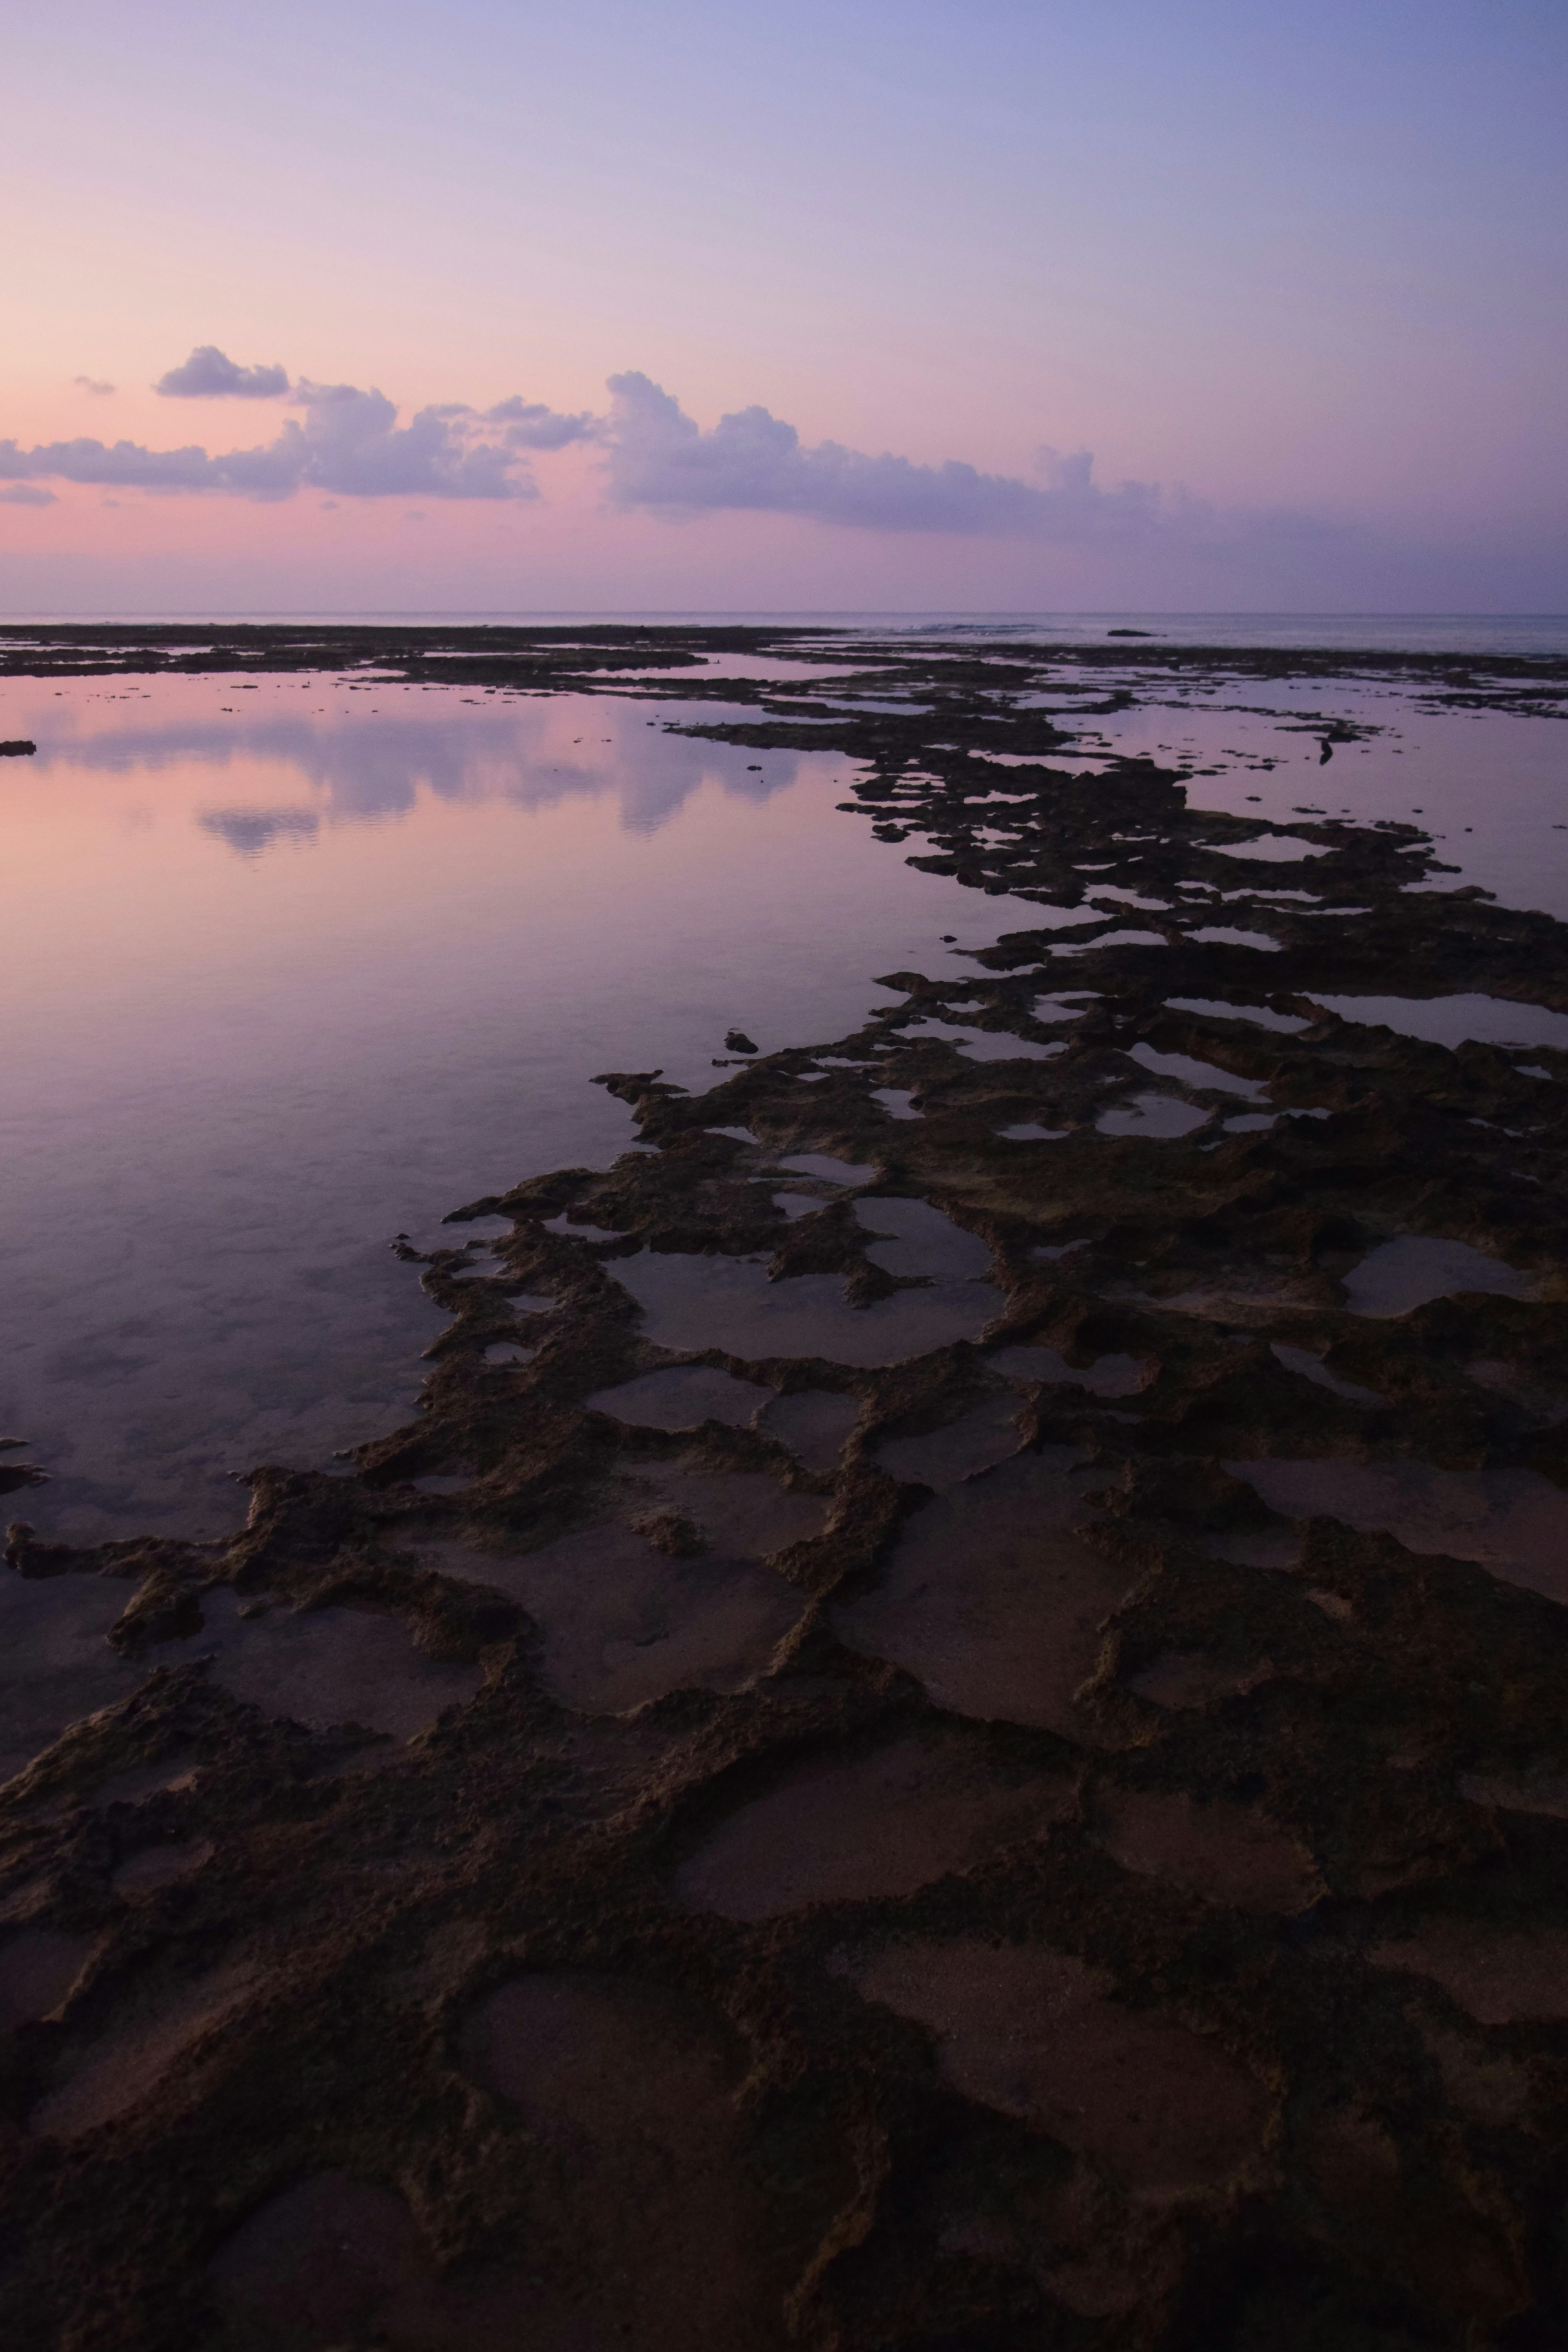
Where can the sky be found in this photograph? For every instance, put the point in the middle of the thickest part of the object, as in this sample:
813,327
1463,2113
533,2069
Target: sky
958,304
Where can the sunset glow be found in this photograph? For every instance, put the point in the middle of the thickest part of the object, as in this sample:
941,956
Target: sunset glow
1014,306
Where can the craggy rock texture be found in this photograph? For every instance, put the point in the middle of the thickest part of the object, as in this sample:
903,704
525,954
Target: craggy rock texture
1054,1835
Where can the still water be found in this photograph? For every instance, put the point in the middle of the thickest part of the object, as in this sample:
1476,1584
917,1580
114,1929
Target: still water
297,964
293,969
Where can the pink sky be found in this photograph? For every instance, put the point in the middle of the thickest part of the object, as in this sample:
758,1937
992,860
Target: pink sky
1301,282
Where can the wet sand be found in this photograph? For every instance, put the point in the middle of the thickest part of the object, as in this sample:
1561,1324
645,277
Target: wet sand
964,1745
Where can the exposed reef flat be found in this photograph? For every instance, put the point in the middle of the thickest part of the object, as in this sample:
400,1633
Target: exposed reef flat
946,1732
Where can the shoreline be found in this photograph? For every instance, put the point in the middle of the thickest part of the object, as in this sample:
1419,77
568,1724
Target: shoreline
1078,1887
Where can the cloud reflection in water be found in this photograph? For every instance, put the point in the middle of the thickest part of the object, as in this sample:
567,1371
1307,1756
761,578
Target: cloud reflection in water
366,770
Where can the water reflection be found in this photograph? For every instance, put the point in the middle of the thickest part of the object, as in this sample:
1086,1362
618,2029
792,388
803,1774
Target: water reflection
295,966
533,751
250,831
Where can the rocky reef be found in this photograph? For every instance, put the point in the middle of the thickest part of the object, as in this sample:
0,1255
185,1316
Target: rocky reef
946,1732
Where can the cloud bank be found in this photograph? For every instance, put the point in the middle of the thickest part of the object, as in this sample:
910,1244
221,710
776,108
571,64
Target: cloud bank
658,461
210,374
663,462
94,385
346,441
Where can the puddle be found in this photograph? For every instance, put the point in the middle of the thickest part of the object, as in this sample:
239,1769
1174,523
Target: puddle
507,1351
815,1423
944,1457
985,1045
658,2233
921,1241
333,2260
683,1397
1501,1976
1454,1020
1028,1130
1179,1679
1277,848
1542,1401
576,1233
1249,1125
1031,2033
160,1865
622,1624
1161,1116
153,2033
1108,1376
797,1204
1403,1275
38,1966
1226,1853
878,1826
1287,1024
1194,1073
693,1302
1542,1790
55,1666
322,1667
140,1781
824,1165
896,1101
1114,939
1223,935
1311,1368
743,1513
1071,1006
1272,1548
1513,1523
991,1600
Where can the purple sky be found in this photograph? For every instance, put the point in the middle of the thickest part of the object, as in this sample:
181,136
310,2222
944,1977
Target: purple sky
1171,303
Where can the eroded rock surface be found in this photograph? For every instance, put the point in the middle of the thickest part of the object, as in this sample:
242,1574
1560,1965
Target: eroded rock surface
960,1742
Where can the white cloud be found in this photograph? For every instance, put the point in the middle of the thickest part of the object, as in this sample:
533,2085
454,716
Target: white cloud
531,425
211,375
660,459
91,384
349,443
346,441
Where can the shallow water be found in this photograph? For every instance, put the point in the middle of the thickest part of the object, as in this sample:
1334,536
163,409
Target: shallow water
1454,1020
294,967
300,962
696,1302
1400,1275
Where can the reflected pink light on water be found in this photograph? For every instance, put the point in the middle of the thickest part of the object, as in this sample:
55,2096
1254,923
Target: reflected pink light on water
281,984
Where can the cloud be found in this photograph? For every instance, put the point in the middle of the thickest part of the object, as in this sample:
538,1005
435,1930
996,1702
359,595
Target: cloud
123,464
661,460
211,375
346,441
25,494
250,831
531,425
90,383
